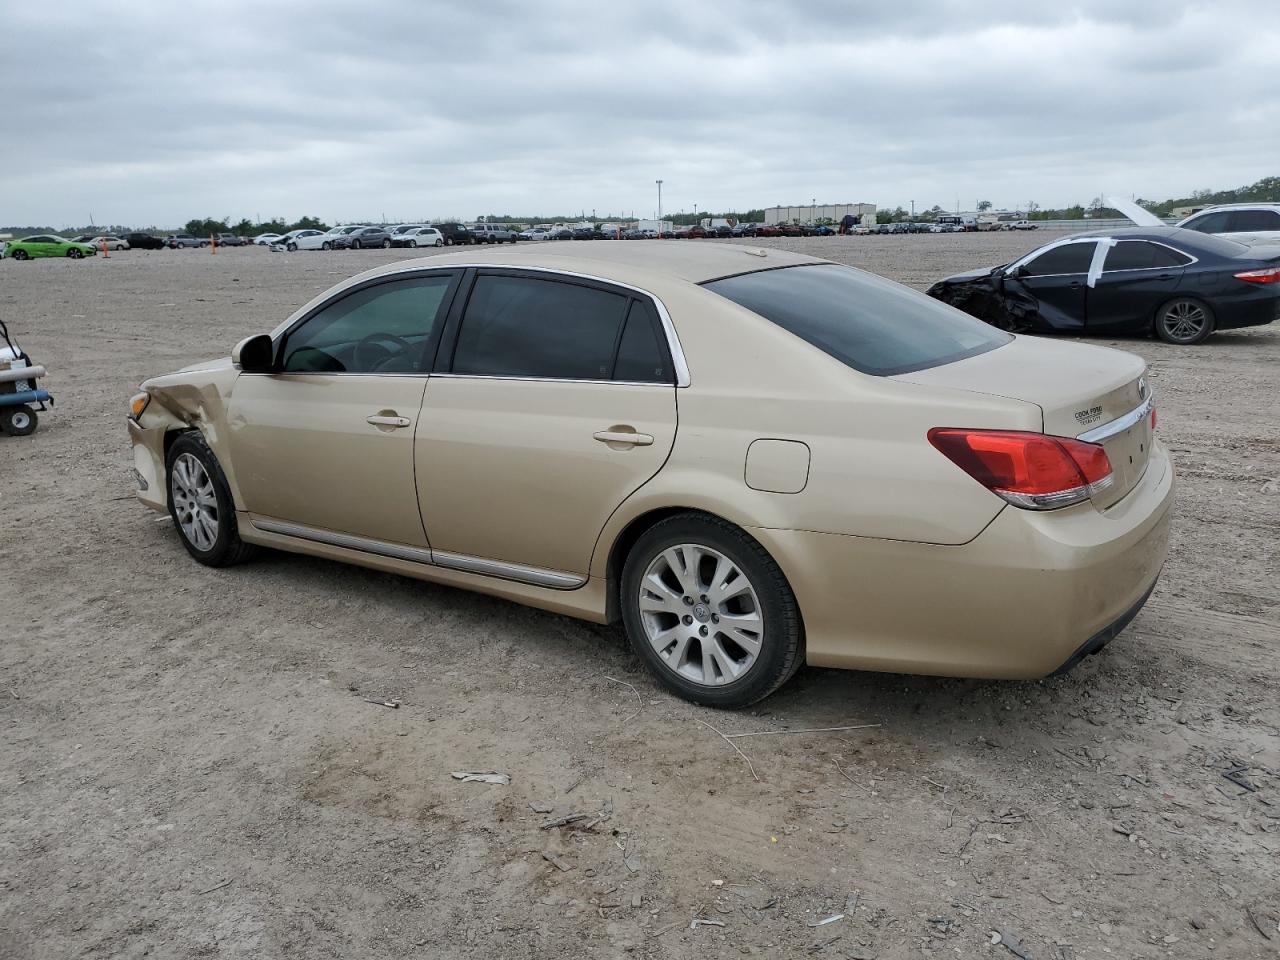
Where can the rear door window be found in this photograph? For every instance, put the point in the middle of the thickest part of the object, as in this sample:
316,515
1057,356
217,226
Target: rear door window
518,326
869,323
1142,255
643,356
1248,221
1208,223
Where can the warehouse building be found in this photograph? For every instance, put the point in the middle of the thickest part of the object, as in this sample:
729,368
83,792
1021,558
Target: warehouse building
812,212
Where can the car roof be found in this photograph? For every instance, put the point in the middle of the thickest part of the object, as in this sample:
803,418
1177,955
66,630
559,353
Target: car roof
696,262
1255,205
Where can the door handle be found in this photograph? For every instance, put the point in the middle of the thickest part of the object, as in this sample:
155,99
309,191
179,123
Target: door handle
381,421
624,436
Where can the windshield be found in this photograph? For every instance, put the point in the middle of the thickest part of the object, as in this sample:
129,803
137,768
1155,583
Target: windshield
869,323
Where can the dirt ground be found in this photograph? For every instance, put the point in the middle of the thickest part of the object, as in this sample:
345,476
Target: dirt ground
191,765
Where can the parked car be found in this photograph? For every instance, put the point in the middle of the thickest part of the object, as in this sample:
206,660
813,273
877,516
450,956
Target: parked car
492,233
144,241
768,230
293,238
47,245
761,528
402,228
232,240
561,233
695,232
1022,225
454,233
177,240
111,242
368,237
419,237
1245,222
266,239
744,230
586,233
534,233
1179,284
335,238
861,231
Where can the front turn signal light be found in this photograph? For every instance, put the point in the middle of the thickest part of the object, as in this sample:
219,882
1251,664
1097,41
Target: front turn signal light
138,404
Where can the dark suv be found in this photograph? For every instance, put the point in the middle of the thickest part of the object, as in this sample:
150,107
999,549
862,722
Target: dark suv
454,233
143,241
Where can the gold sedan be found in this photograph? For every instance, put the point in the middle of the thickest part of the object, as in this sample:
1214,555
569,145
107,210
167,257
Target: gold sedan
753,459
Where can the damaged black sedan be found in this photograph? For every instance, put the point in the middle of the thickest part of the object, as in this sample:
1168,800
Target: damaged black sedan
1179,284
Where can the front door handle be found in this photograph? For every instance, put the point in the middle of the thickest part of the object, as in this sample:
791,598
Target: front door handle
624,436
380,421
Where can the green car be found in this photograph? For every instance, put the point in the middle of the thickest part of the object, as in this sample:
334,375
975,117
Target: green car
48,246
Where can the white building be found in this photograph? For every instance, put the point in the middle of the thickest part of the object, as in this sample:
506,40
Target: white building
809,213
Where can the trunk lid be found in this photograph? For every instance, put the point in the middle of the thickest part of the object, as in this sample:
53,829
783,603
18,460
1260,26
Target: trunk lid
1082,391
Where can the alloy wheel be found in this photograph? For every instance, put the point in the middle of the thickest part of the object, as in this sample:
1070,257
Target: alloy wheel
701,614
1184,321
195,503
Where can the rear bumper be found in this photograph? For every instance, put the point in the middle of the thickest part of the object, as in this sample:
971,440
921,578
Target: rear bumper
1019,601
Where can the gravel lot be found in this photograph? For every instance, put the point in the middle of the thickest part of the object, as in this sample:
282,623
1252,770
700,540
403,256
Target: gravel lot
191,766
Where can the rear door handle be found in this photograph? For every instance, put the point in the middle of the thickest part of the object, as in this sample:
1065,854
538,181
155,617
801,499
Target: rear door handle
380,421
624,436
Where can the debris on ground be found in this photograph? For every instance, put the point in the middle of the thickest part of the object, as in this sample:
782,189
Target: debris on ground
501,779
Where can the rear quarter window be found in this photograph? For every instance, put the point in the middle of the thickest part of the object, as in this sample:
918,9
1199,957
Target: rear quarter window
869,323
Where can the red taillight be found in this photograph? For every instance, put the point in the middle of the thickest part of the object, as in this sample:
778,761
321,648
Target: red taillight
1031,470
1265,275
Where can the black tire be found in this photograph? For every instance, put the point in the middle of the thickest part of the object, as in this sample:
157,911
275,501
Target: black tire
438,243
1184,321
386,244
448,242
291,247
20,255
227,549
75,254
414,244
326,245
18,421
355,244
782,649
203,244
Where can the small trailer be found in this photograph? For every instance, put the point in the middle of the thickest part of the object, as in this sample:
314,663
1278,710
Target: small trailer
20,395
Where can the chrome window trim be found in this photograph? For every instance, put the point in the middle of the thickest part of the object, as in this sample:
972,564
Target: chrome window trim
493,376
1119,425
678,362
519,572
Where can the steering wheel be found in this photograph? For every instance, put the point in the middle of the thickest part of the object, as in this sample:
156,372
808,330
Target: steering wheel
378,341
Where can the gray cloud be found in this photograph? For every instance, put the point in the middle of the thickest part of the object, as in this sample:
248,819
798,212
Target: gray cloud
153,113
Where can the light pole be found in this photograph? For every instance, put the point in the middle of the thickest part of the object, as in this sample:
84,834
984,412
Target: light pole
659,183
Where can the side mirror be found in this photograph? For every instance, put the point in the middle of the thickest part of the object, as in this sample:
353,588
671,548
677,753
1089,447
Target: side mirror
254,354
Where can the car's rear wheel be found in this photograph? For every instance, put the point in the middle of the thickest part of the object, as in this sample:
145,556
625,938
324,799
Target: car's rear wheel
18,421
201,506
75,254
1184,321
438,243
20,255
710,612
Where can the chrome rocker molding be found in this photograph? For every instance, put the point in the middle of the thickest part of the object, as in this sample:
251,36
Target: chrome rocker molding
519,572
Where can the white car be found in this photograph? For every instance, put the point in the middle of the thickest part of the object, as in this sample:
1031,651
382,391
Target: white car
113,243
291,239
315,240
1245,222
535,233
420,237
266,239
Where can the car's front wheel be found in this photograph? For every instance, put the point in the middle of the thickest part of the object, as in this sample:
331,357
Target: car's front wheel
1184,321
201,506
20,255
291,247
413,243
75,254
326,245
386,244
710,612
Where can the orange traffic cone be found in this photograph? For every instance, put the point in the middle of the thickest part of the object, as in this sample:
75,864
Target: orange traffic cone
105,255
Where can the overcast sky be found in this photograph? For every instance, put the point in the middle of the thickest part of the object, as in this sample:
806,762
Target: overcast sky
153,113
